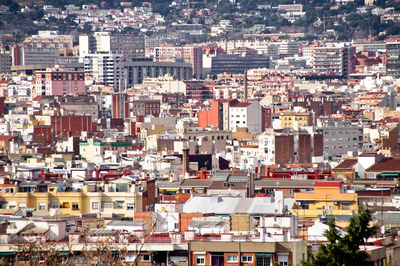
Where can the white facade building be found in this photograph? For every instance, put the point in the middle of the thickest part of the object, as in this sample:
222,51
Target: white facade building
245,115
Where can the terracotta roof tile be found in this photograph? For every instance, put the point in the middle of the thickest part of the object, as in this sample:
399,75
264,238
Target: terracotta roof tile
346,165
387,164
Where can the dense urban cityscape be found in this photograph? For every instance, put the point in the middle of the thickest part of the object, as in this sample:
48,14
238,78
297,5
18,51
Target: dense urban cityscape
230,132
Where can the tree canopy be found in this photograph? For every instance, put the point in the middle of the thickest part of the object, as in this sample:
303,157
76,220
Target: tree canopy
344,250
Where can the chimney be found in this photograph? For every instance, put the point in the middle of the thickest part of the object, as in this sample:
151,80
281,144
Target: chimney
185,162
245,85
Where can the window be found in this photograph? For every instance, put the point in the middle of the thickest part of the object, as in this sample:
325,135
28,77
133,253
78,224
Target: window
200,260
283,260
263,261
231,258
75,206
345,206
305,206
42,206
247,259
12,205
22,205
95,205
106,205
119,204
9,190
145,257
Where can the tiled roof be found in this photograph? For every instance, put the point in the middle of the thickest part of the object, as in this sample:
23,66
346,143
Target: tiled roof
346,165
220,177
328,184
241,104
387,164
250,147
8,138
167,184
189,183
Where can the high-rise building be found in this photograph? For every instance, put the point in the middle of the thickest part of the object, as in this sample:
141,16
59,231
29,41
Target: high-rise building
5,63
235,64
188,54
333,61
393,58
105,68
105,42
34,55
118,60
51,39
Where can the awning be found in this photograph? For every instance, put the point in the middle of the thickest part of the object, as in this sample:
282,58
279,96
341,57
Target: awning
305,200
389,174
7,253
265,255
385,185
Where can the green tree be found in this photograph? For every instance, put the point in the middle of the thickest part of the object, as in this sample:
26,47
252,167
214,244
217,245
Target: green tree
344,250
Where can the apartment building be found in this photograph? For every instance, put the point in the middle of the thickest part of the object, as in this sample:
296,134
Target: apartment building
328,198
59,82
25,55
106,42
333,61
341,135
245,115
393,61
106,69
295,120
123,197
187,54
284,146
5,62
235,64
136,71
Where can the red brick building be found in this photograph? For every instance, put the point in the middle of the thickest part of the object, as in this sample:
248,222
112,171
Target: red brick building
64,126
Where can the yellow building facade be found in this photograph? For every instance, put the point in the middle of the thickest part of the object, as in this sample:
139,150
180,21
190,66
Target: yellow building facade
117,197
328,198
295,120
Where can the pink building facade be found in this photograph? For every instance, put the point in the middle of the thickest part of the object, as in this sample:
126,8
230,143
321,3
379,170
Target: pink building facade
60,82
